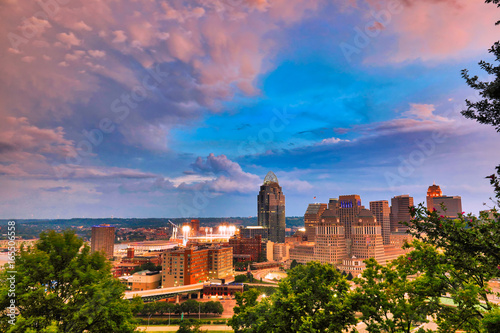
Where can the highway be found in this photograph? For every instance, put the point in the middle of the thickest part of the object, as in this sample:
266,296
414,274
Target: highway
164,291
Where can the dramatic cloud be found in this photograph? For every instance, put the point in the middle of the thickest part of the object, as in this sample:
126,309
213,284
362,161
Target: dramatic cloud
435,29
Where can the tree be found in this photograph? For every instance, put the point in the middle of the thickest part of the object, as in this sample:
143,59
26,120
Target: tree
389,300
486,110
62,285
190,306
189,326
460,256
149,266
313,298
293,264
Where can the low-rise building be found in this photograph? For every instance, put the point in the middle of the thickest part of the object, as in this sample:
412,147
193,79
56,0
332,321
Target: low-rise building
184,266
143,280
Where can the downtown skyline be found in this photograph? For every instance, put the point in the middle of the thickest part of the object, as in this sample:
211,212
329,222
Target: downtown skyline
179,109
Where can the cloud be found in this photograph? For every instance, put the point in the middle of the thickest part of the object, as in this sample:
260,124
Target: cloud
229,176
437,30
97,53
420,117
69,39
332,141
120,36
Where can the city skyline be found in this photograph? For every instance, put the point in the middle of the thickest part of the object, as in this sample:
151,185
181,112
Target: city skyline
180,109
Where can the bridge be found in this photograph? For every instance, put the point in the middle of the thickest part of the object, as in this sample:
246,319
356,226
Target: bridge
163,293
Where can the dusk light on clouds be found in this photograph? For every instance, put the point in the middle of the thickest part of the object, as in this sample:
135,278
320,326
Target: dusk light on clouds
137,108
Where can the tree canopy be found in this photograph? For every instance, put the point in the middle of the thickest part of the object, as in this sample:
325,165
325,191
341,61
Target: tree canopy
313,298
62,287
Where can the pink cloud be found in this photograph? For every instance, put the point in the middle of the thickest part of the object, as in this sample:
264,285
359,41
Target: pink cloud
438,29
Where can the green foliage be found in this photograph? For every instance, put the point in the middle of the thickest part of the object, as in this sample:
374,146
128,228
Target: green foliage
491,321
149,266
189,326
391,301
313,298
458,257
293,264
61,286
240,278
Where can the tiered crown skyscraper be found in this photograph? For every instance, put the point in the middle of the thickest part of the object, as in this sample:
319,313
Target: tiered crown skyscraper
271,208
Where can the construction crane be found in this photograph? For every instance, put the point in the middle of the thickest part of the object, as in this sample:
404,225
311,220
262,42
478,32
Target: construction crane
174,230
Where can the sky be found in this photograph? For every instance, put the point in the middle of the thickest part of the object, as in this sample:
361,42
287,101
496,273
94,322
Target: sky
180,108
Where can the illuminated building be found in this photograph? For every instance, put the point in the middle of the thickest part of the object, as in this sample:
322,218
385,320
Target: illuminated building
271,208
435,199
220,262
103,239
382,212
433,192
400,212
311,219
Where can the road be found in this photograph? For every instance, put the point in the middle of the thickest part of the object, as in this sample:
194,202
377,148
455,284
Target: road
173,290
175,328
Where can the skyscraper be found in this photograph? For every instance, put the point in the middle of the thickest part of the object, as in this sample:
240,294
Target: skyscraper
330,239
400,212
367,236
103,239
271,208
311,219
435,198
433,192
382,212
348,207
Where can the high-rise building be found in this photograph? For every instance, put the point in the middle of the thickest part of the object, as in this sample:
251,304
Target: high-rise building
103,239
435,199
400,212
382,212
367,237
349,207
271,208
311,219
330,239
433,192
452,205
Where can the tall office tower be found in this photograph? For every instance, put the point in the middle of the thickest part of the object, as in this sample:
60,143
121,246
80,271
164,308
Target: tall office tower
349,207
367,236
311,219
453,205
271,208
103,239
382,212
333,205
435,198
330,247
433,191
400,212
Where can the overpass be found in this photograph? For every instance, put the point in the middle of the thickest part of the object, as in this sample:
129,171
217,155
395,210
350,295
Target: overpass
163,293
